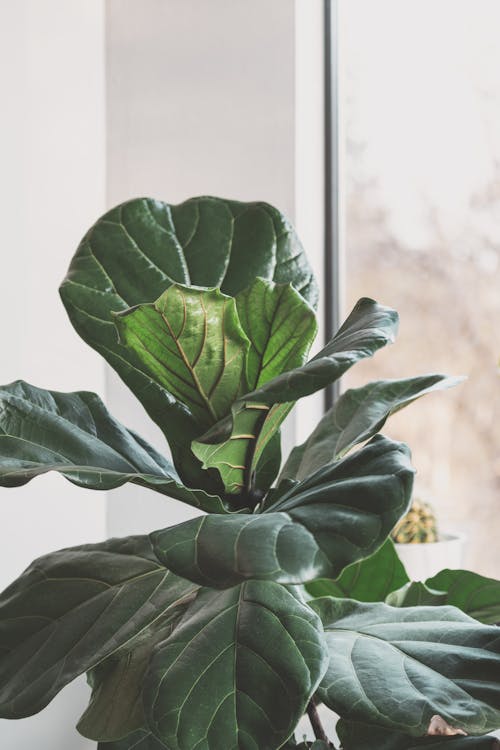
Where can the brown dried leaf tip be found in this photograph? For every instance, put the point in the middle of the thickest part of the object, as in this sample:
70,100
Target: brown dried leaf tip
439,726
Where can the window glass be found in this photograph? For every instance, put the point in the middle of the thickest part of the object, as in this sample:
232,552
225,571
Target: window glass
420,104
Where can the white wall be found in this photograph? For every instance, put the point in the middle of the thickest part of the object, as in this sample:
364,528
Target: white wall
51,189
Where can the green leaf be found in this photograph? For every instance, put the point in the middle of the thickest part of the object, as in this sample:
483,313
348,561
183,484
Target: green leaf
363,737
74,434
369,327
237,671
370,580
336,517
357,415
399,667
115,709
140,740
281,327
73,608
475,595
192,344
138,249
416,594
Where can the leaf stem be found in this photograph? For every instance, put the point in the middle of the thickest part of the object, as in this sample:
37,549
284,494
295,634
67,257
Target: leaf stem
316,724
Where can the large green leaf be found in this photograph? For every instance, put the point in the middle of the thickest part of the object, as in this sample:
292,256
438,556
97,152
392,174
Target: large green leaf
399,667
369,580
369,327
115,709
356,416
140,740
475,595
74,434
336,517
71,609
364,737
416,594
192,344
237,672
138,249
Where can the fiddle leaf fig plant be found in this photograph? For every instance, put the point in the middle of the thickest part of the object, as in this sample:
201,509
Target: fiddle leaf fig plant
222,632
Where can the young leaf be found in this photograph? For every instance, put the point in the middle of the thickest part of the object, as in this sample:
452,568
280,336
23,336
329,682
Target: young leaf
398,668
356,736
475,595
71,609
191,342
336,517
369,327
358,414
237,671
369,580
138,249
74,434
281,327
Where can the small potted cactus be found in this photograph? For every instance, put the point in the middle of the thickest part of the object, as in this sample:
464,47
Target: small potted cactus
422,548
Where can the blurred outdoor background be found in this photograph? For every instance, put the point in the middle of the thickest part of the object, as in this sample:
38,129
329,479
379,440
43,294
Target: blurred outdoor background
420,101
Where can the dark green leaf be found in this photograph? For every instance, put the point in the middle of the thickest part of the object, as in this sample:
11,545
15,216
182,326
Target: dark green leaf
357,415
370,580
115,709
363,737
237,671
138,249
416,594
399,667
337,516
369,327
475,595
191,343
141,740
73,608
74,434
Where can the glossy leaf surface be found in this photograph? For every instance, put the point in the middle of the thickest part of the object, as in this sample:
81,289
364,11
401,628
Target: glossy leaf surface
357,415
74,434
237,672
321,525
192,344
476,595
71,609
399,667
140,740
138,249
369,580
369,327
362,737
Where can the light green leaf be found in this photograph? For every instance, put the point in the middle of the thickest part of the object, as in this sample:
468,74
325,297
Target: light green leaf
281,327
370,580
237,671
191,342
73,608
138,249
416,594
140,740
357,415
399,667
336,517
369,327
363,737
74,434
474,594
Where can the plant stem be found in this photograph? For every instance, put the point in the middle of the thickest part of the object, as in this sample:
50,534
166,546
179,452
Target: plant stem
316,724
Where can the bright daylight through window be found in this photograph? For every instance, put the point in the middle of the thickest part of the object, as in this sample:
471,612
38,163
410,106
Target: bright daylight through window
421,175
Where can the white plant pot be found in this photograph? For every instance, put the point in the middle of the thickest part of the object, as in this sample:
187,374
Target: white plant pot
423,561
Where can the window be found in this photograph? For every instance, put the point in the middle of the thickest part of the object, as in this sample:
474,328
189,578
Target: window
420,106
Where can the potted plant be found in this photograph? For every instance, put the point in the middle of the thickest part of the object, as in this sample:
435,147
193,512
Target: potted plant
421,546
208,635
